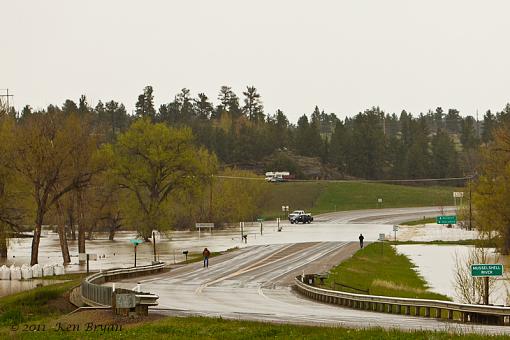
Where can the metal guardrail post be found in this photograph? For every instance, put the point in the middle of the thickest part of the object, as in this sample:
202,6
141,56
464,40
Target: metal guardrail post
468,313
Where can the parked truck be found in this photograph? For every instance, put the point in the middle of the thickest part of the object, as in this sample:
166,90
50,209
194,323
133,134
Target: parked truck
300,216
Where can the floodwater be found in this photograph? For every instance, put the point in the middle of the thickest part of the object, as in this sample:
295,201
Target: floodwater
436,264
13,287
120,252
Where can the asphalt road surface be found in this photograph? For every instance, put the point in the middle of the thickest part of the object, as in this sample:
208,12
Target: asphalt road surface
255,283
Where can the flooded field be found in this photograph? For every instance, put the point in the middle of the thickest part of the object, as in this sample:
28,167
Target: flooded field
120,252
436,263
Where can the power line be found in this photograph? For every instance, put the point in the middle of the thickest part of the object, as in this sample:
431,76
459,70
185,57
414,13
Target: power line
354,180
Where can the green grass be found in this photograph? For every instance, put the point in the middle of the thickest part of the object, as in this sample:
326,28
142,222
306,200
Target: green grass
420,221
380,270
469,242
215,328
198,257
32,304
321,197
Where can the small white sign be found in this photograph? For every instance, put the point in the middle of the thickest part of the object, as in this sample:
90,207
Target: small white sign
204,225
457,194
395,228
381,237
379,200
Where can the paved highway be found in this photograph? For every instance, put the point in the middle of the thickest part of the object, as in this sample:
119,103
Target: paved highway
254,283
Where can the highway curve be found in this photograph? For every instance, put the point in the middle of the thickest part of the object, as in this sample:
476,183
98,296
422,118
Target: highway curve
255,283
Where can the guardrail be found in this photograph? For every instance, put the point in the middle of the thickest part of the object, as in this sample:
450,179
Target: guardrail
93,293
486,314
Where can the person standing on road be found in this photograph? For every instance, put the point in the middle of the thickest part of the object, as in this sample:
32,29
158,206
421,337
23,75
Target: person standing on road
361,238
206,253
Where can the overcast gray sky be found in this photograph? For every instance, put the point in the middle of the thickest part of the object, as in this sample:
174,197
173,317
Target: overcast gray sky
344,56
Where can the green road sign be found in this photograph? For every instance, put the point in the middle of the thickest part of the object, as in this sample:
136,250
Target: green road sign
136,241
480,270
446,219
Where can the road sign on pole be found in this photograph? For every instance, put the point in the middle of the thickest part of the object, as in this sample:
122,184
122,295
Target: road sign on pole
395,229
486,270
136,242
452,219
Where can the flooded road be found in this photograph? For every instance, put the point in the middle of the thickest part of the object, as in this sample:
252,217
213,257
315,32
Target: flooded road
334,227
120,252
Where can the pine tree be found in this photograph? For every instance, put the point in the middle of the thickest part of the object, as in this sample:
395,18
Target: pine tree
145,104
489,123
253,107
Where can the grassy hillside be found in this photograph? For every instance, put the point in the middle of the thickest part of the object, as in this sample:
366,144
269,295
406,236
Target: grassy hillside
320,197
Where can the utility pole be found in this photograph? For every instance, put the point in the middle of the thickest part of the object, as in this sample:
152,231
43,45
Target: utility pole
470,207
154,244
477,125
7,95
211,199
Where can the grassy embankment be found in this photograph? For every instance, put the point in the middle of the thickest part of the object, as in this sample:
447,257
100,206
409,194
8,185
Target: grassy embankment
206,328
379,270
31,305
321,197
198,257
420,221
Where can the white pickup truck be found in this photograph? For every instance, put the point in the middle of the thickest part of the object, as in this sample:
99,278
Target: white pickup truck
300,216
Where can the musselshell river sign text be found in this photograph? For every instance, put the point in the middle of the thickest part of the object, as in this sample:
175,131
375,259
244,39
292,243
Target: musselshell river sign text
480,270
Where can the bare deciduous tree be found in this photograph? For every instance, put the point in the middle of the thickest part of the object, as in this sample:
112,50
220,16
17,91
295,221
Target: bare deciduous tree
469,289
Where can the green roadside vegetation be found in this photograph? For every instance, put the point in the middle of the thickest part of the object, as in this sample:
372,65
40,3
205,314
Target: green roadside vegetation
420,221
198,257
32,305
378,270
322,197
470,242
217,328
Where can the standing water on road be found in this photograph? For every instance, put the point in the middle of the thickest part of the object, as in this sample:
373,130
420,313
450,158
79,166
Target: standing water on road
120,252
436,264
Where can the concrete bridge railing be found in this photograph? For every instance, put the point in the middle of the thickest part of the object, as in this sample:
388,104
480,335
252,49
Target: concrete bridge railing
93,293
485,314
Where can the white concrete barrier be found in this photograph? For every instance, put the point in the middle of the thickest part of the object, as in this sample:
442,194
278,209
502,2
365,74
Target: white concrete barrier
5,273
15,273
59,269
26,272
37,270
48,270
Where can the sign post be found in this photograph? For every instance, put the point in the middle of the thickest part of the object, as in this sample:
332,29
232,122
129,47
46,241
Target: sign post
260,219
136,242
379,202
452,219
199,226
457,194
381,238
486,271
395,229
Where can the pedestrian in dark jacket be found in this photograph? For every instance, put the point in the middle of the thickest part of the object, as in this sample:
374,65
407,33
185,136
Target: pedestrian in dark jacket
361,238
206,253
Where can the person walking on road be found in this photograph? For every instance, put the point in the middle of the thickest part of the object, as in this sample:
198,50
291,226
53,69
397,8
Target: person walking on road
206,253
361,238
